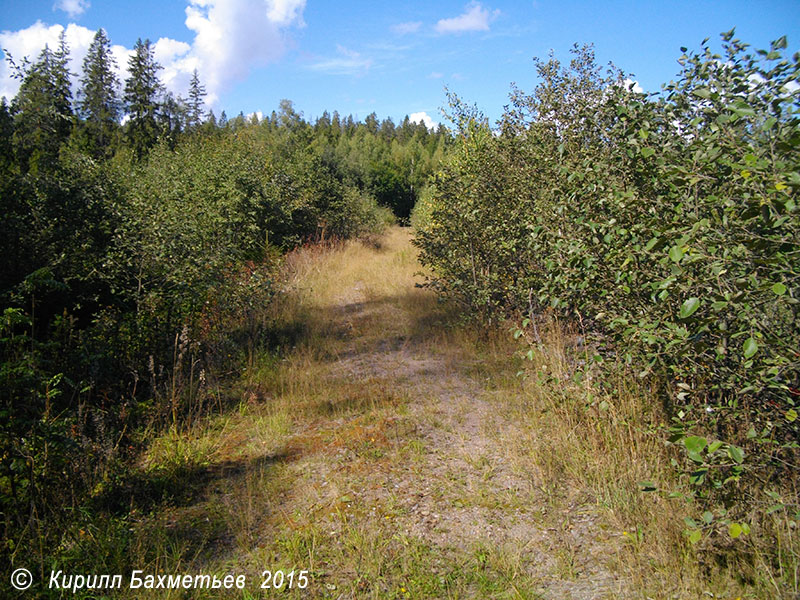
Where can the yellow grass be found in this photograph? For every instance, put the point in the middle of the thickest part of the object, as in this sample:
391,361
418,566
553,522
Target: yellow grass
392,451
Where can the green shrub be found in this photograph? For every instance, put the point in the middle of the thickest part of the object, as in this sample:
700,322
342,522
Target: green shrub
666,226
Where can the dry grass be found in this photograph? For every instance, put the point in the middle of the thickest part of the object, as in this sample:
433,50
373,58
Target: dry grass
393,452
584,446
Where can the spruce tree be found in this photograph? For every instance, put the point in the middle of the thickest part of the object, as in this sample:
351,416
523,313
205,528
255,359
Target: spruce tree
196,94
42,108
142,91
98,97
173,117
62,86
6,134
371,123
387,129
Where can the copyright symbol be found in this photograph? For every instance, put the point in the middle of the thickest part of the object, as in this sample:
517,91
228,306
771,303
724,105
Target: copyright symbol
21,579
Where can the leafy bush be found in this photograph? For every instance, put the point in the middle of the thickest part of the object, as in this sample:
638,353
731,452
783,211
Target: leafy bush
665,225
130,285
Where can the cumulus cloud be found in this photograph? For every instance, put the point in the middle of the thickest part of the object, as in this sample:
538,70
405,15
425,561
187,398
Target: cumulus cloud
474,18
231,37
234,36
346,62
633,86
29,43
424,118
406,28
177,64
72,7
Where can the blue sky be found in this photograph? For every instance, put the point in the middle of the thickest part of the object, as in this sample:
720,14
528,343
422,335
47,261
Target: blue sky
391,58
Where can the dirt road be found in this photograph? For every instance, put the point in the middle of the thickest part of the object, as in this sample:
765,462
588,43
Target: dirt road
384,452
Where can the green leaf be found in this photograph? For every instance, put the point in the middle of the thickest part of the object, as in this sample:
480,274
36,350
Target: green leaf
695,536
742,109
698,477
708,517
736,454
774,508
695,443
696,457
704,93
689,307
750,347
734,530
647,152
779,289
791,415
769,123
676,254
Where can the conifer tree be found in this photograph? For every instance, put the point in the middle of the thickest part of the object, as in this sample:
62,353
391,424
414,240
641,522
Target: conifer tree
98,97
43,108
196,94
387,129
371,123
142,91
6,133
323,124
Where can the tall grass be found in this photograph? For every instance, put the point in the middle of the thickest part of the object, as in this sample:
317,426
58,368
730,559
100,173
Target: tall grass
285,475
602,442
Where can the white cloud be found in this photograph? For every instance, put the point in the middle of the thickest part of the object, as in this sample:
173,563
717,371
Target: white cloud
405,28
168,50
29,43
435,75
177,61
633,86
234,36
474,18
72,7
231,37
286,12
347,62
422,117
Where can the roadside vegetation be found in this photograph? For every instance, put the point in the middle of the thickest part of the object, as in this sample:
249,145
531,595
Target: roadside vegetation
575,376
133,258
659,237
